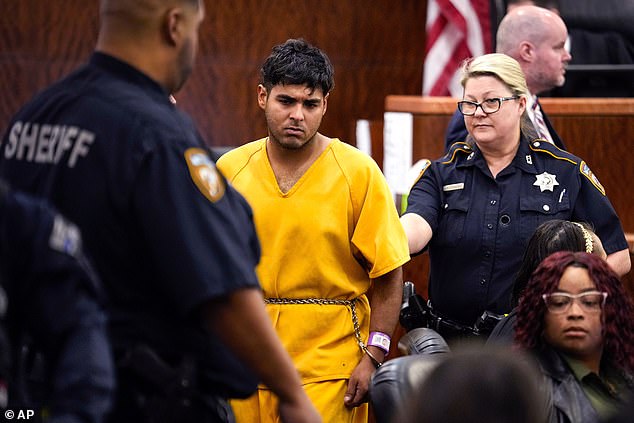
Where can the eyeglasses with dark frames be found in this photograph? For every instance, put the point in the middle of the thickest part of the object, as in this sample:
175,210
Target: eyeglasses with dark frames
488,105
560,302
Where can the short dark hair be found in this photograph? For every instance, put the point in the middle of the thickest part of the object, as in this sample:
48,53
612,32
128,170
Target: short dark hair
478,384
296,62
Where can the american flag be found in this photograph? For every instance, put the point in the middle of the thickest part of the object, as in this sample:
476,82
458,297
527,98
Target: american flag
456,30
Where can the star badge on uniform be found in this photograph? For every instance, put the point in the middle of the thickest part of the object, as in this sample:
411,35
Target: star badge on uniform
546,182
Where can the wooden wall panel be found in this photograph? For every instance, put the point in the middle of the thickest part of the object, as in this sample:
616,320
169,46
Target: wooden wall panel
377,49
39,42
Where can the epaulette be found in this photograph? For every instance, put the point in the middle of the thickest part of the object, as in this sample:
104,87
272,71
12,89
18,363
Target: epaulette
540,145
418,169
454,149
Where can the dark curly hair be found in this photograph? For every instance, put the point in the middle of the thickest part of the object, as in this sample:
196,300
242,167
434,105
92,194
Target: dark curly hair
296,62
617,314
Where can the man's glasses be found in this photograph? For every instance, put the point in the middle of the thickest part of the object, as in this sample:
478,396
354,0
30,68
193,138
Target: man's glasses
560,302
488,106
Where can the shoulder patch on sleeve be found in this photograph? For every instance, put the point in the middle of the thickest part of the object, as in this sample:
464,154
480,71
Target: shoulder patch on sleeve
585,171
203,172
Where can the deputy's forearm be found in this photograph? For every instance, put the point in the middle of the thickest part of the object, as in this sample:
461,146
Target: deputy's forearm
241,321
620,262
418,232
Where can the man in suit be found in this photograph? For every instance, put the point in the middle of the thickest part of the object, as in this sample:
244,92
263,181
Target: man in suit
536,38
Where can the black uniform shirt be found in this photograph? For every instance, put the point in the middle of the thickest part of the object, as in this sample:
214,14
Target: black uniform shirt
53,297
113,153
481,225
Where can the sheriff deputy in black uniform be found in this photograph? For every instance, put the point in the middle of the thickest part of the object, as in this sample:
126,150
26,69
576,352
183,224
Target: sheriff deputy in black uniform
174,244
60,364
476,207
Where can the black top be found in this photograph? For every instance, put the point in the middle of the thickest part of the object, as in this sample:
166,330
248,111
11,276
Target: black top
55,308
503,334
566,400
167,233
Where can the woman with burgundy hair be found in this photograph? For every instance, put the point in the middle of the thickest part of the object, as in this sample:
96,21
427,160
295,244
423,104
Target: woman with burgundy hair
578,320
549,237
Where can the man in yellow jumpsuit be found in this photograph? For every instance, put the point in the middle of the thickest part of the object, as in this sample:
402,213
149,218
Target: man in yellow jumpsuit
329,231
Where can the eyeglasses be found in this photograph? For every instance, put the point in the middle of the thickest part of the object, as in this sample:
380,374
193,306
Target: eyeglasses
560,302
489,105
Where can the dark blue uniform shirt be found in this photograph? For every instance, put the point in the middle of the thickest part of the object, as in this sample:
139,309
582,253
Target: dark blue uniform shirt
54,299
114,154
481,225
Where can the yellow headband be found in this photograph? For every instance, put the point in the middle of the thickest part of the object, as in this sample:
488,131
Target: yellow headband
587,237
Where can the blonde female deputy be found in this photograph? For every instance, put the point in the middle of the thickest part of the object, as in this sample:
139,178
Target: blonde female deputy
476,207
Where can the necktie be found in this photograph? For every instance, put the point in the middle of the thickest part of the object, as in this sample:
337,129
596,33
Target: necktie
540,125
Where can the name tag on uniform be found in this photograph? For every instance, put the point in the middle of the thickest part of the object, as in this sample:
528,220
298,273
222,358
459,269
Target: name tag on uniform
453,187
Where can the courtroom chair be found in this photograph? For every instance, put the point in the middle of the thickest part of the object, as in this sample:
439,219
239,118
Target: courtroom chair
398,379
422,341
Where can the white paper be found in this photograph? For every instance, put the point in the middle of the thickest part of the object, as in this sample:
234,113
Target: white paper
364,140
397,150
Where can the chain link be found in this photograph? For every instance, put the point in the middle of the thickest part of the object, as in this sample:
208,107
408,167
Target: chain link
326,301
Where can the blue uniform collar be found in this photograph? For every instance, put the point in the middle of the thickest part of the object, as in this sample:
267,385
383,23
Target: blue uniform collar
524,158
125,71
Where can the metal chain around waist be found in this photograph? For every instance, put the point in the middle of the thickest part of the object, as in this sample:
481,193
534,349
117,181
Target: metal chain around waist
326,301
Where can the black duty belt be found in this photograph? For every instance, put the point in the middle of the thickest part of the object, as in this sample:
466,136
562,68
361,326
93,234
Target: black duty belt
449,328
